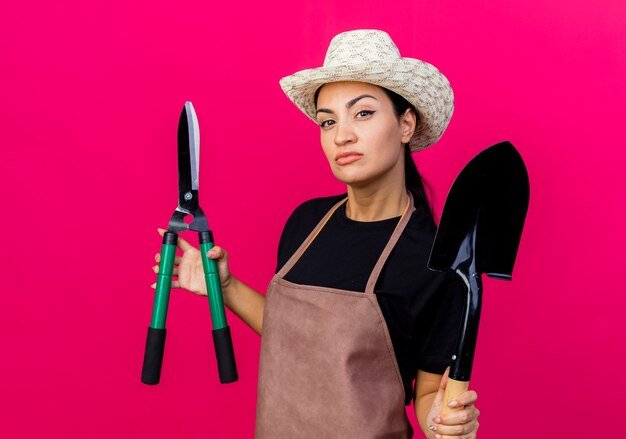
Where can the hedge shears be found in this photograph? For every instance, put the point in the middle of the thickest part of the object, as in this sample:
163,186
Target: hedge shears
188,167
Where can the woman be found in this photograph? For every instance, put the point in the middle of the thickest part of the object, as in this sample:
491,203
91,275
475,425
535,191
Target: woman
353,315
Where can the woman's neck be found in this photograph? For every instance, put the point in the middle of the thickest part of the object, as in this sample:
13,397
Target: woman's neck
376,204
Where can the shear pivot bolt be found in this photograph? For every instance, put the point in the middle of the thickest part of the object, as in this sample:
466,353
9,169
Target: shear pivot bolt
188,196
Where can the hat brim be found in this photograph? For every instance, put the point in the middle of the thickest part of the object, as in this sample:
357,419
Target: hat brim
419,82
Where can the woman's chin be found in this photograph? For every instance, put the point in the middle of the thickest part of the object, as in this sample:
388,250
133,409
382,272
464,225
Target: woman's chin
355,179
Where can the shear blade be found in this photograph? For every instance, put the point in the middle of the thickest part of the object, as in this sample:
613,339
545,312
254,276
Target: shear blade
188,158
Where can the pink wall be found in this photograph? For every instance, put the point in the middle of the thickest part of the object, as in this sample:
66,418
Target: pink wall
90,94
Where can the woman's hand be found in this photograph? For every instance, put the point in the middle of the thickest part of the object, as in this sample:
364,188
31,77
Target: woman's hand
188,267
458,424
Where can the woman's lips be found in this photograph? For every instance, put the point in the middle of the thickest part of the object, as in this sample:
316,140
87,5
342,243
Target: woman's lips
348,158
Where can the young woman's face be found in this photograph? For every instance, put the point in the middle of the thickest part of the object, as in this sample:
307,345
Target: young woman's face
360,133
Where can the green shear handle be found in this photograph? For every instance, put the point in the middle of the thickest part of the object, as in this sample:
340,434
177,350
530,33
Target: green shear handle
222,341
155,343
227,368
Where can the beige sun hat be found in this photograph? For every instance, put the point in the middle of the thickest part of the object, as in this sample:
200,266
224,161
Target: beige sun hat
369,55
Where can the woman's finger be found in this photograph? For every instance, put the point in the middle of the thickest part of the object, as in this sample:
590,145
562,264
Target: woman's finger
454,431
183,245
463,416
217,252
457,423
175,284
466,398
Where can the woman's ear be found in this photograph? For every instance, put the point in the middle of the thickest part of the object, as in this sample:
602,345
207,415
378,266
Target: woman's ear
408,122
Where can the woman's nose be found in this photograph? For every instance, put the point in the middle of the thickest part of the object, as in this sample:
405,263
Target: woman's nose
344,134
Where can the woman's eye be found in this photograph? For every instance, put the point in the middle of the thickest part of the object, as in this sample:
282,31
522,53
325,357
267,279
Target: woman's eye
325,123
365,112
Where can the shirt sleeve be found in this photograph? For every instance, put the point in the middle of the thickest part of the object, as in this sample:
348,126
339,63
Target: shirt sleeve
439,328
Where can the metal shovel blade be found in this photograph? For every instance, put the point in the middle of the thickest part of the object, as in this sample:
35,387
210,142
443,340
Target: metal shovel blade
489,199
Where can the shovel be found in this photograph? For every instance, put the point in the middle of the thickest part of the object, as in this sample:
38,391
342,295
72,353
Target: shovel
479,232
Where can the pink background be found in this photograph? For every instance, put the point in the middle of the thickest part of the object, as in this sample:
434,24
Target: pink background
90,94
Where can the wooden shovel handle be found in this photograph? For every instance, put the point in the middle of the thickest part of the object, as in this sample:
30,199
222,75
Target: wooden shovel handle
453,389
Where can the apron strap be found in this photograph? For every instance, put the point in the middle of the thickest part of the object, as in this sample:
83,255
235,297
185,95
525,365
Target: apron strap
395,236
294,258
371,283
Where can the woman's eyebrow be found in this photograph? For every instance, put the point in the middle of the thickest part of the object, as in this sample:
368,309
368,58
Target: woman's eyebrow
354,101
348,105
